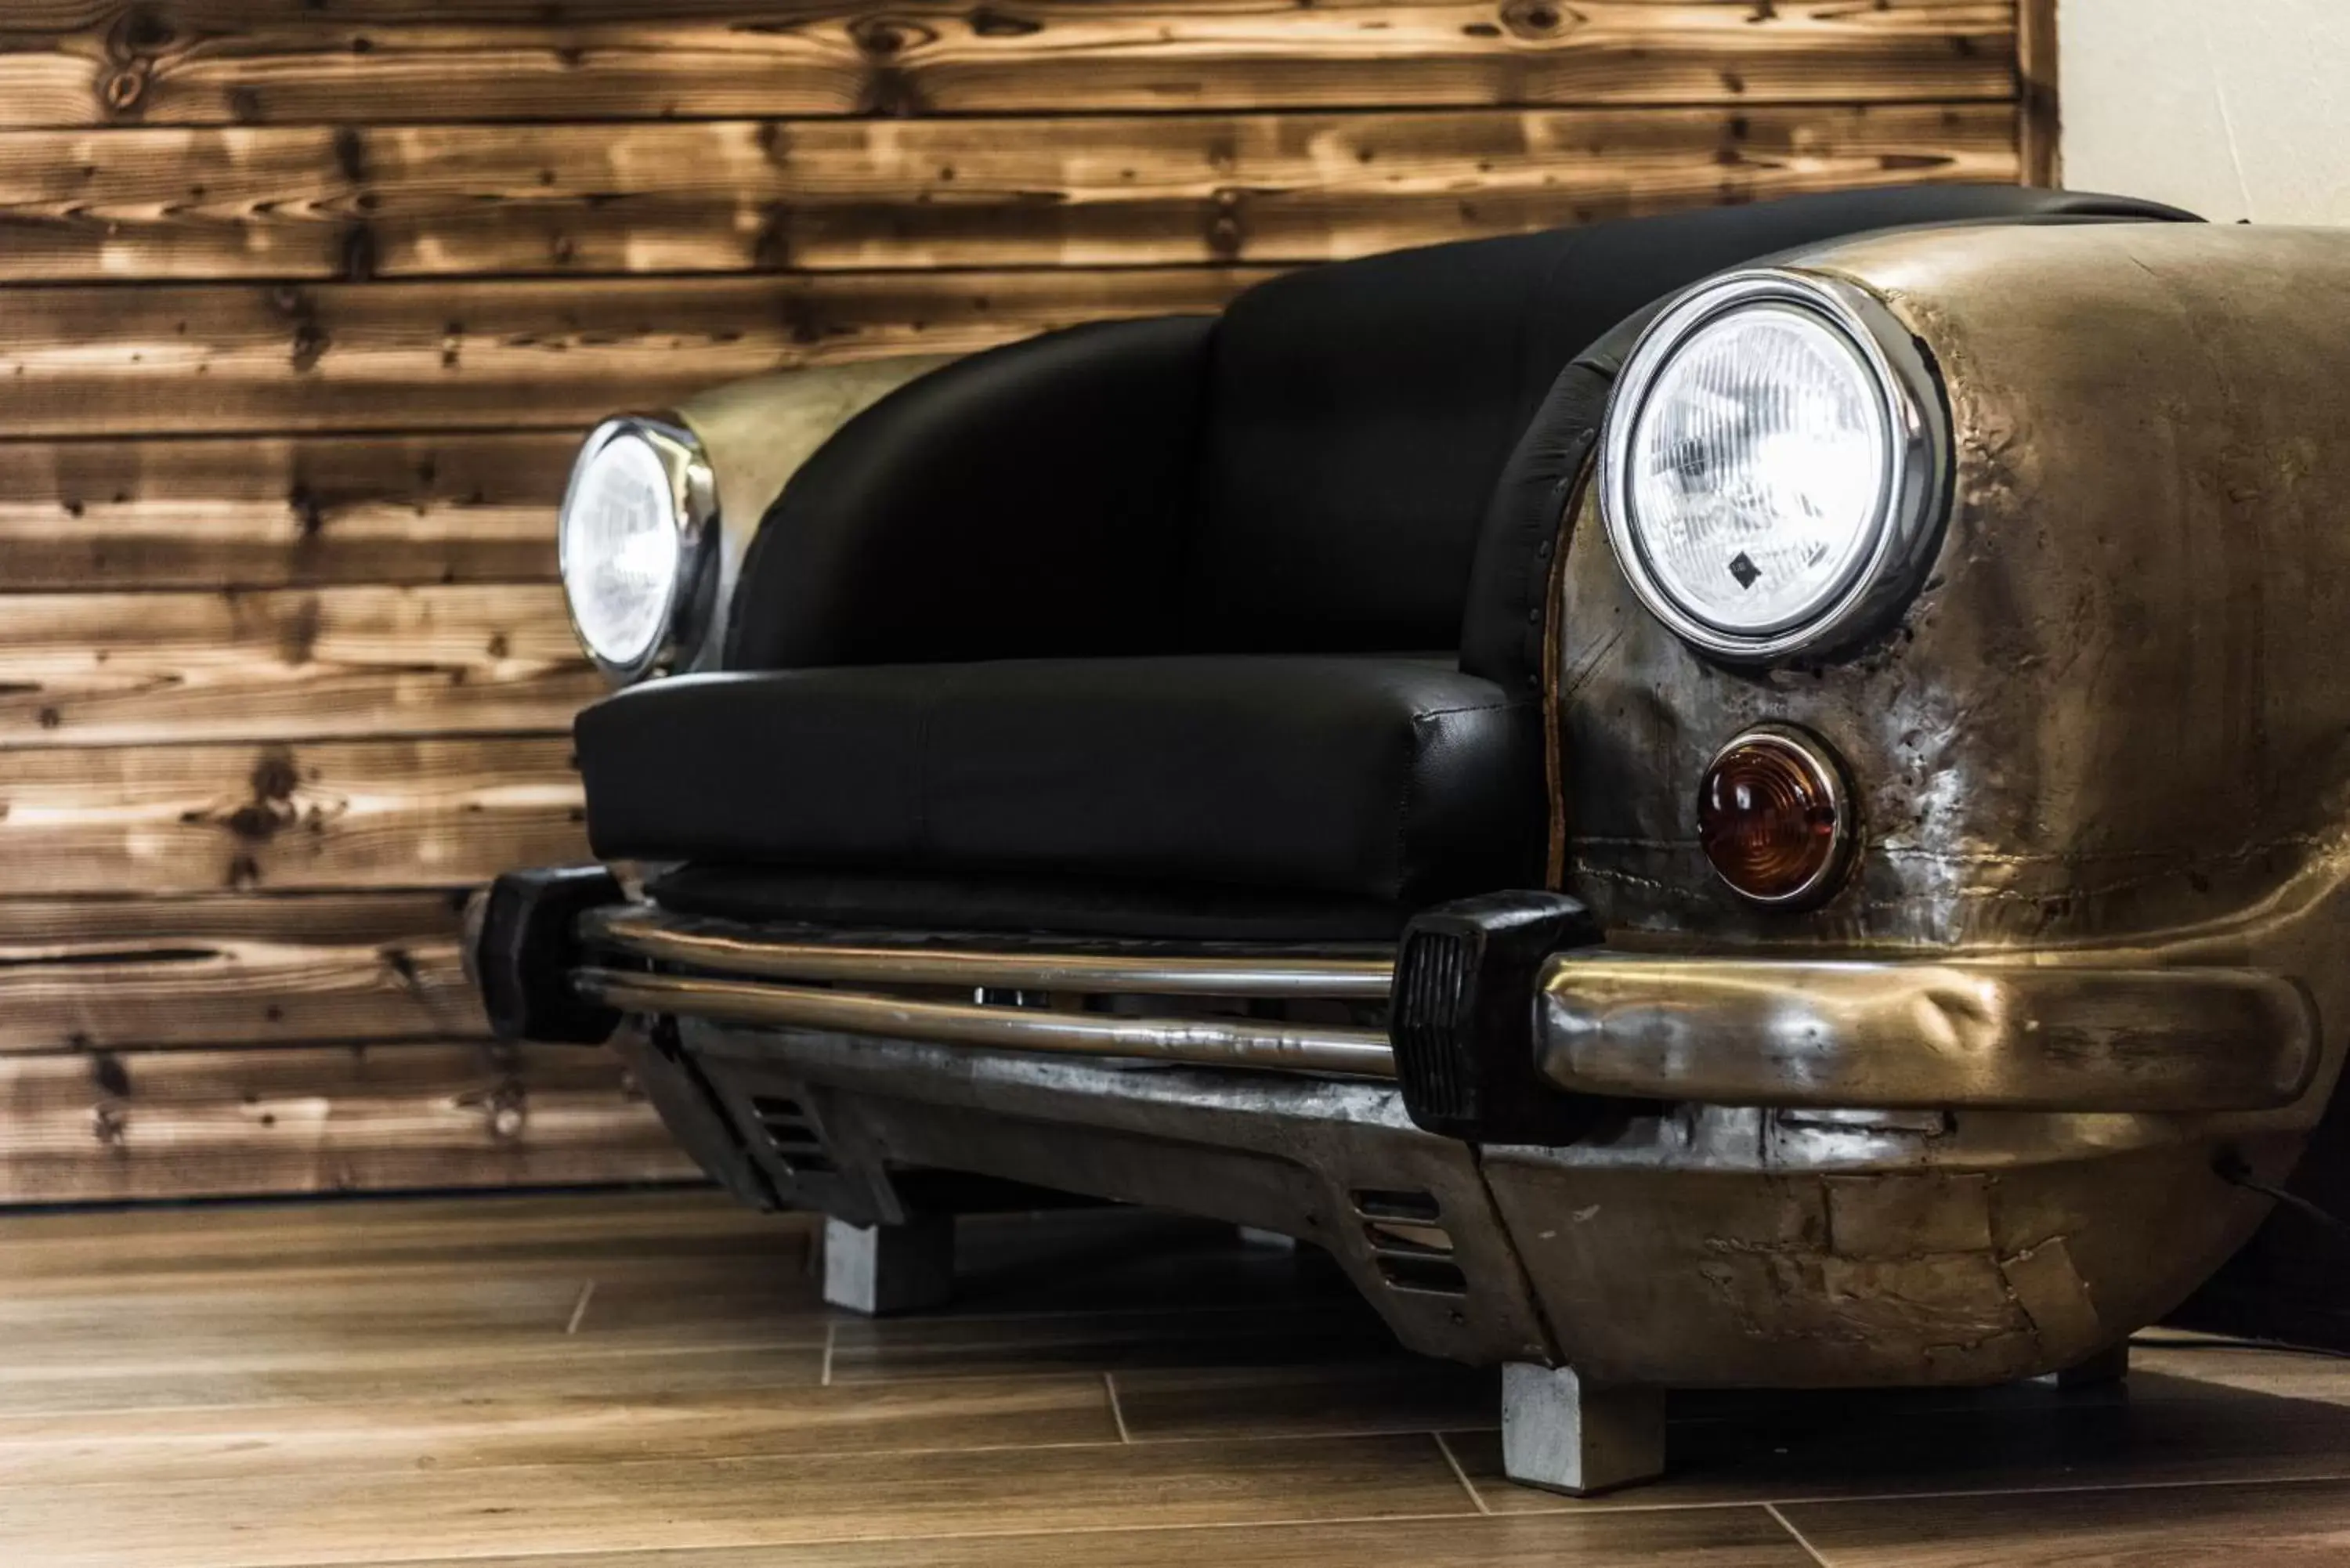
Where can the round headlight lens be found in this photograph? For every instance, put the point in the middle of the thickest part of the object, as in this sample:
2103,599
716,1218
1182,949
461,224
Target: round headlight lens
620,549
634,529
1757,469
1772,467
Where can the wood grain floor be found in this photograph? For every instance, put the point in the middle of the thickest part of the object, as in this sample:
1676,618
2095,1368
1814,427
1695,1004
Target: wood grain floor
648,1381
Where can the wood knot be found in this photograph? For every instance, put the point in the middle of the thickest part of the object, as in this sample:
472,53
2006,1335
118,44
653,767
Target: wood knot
1538,18
889,93
140,31
109,1074
771,247
311,340
130,47
509,1109
887,37
987,22
351,153
309,516
359,252
122,90
310,344
401,964
298,642
1227,224
271,810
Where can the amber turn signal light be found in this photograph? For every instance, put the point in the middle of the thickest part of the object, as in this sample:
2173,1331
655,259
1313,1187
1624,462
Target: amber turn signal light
1773,816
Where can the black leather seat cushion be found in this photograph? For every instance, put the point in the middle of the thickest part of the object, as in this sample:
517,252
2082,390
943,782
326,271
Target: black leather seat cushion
1392,778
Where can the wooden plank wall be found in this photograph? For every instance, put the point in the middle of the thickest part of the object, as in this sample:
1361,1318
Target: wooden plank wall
304,302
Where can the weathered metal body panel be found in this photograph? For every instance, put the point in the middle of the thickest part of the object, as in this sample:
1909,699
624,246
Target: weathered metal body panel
2118,710
2116,722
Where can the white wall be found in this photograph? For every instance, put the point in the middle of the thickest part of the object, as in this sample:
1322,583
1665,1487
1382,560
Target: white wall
2235,108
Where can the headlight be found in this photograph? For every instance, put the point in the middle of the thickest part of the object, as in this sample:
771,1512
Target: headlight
1773,464
637,534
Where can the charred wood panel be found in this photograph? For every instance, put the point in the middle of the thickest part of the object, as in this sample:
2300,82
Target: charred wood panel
303,306
97,1125
220,63
315,203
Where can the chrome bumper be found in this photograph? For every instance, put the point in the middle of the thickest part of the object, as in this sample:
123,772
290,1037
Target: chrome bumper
1925,1035
1298,1048
1768,1033
1709,1241
742,977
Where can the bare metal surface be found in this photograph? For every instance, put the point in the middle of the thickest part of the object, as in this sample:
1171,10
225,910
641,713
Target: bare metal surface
1685,1246
756,434
2111,730
732,948
1752,1272
2117,714
1921,1033
1284,1152
1236,1042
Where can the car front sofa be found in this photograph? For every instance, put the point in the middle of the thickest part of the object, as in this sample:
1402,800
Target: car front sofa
1199,625
1250,764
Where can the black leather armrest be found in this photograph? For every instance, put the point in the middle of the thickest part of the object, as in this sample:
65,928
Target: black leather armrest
1526,519
1025,501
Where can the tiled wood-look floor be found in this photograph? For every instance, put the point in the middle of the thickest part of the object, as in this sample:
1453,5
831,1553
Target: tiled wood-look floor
650,1382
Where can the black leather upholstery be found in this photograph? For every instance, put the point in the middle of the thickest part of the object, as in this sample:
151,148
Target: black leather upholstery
1102,610
1024,501
1390,779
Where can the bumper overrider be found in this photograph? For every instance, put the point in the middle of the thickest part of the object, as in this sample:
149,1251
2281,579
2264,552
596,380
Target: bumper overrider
1523,1145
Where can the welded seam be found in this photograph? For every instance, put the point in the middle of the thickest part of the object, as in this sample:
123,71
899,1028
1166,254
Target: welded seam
1517,1262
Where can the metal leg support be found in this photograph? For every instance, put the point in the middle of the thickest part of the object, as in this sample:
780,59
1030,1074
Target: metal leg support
1559,1433
877,1269
2102,1370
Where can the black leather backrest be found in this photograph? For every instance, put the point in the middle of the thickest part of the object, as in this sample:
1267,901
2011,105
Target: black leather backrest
1357,415
1024,501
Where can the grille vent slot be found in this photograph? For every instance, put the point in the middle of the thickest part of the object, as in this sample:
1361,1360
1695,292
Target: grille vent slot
1405,1233
792,1134
1431,1003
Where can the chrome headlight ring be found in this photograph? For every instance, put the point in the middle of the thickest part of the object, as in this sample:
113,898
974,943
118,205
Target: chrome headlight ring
665,465
1912,486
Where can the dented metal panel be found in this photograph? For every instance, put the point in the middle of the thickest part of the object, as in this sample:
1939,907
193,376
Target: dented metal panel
1920,1034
